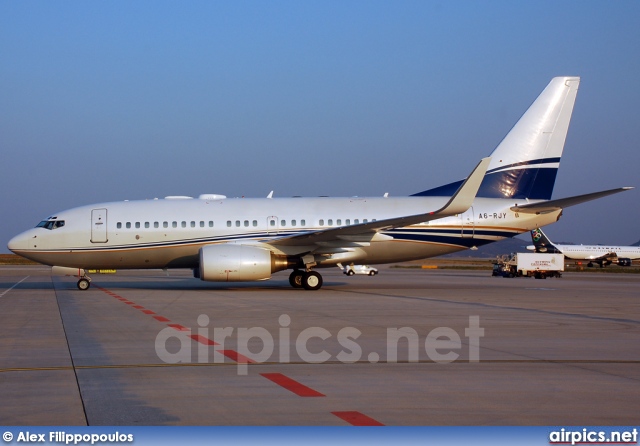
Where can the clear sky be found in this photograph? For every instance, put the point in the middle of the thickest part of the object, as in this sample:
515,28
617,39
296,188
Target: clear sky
106,101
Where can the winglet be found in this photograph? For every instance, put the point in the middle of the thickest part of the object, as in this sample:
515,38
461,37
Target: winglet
466,193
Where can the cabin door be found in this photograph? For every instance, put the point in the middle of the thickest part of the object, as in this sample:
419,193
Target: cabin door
99,226
468,223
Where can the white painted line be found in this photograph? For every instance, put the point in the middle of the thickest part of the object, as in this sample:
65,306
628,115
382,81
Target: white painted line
6,291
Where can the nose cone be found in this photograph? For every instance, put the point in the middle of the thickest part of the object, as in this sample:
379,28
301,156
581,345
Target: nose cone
18,243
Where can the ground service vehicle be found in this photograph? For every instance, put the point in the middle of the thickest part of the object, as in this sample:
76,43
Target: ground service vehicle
350,270
536,265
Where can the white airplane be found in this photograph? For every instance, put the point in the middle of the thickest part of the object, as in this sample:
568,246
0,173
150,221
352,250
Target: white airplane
601,254
244,239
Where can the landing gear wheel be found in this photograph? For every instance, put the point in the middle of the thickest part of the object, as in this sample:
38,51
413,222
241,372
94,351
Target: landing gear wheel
311,280
295,278
83,284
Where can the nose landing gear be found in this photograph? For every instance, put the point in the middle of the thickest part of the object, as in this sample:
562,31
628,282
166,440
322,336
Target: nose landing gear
84,283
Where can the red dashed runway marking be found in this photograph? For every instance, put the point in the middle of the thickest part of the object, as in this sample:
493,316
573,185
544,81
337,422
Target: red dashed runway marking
291,384
231,354
179,327
201,339
352,417
357,419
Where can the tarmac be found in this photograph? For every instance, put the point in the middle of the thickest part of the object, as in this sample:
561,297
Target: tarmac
405,347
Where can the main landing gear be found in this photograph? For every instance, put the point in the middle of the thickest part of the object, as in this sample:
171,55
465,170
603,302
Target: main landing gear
309,280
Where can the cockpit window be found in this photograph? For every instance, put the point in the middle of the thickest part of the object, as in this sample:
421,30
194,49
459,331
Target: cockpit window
50,224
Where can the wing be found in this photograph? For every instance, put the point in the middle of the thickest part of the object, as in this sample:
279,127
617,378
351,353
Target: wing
364,232
544,207
607,256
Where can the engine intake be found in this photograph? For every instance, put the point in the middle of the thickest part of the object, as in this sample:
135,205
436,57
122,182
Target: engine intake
238,263
624,261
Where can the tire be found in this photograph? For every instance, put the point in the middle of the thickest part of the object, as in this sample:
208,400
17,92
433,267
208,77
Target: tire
295,278
350,273
372,273
83,284
311,281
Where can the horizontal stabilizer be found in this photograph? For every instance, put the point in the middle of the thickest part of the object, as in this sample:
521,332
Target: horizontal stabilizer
544,207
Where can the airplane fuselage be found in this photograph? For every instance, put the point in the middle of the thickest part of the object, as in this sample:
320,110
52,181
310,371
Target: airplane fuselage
168,233
593,252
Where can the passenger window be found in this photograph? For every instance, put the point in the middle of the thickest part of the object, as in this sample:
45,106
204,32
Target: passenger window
321,222
211,223
193,224
246,223
293,222
330,222
339,222
128,225
303,222
184,224
255,223
272,222
119,225
237,223
283,223
174,224
228,223
365,220
356,221
137,225
156,224
348,221
146,224
201,224
165,224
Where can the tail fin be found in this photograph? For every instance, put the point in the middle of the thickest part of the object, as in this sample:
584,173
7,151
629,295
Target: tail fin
542,242
525,163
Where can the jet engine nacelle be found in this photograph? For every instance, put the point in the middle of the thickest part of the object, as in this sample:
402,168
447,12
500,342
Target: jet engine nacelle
238,263
624,262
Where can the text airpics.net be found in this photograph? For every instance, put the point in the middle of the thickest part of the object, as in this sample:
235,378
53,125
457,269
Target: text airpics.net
441,345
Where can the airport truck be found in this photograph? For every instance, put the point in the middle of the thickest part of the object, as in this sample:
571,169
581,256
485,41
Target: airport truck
538,265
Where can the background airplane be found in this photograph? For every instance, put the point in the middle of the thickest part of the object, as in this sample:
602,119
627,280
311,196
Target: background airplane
249,239
601,254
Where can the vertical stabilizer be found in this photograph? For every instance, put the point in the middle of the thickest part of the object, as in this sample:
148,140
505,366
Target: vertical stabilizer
525,163
542,242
